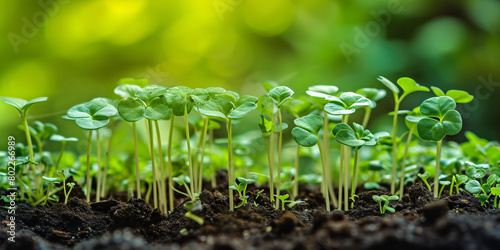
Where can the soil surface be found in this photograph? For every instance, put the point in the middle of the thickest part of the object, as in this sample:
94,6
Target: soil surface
420,222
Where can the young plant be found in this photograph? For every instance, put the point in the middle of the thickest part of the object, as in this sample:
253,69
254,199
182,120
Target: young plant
241,188
386,199
409,86
459,96
259,193
280,95
356,138
193,206
69,184
374,95
266,107
481,191
443,184
184,180
306,134
91,116
229,106
344,106
63,141
495,191
424,178
459,180
23,107
49,180
283,200
442,119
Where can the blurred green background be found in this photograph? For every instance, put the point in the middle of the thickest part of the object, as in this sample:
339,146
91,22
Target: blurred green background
73,51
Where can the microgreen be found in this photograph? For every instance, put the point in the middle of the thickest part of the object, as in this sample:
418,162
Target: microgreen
184,180
424,178
442,119
306,133
193,206
266,107
229,106
63,141
49,180
256,197
374,95
386,199
409,86
443,184
241,187
459,96
70,185
283,200
495,191
356,138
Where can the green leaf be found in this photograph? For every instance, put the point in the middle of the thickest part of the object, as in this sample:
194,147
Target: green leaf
148,93
242,110
126,90
372,94
376,198
347,137
299,107
437,91
321,91
50,179
177,99
62,138
445,183
141,82
391,86
265,105
452,122
492,179
21,105
213,91
157,109
339,127
409,85
461,179
393,198
437,106
354,101
390,209
91,124
477,173
311,123
337,108
495,191
280,95
424,176
430,129
303,137
358,130
131,109
92,115
460,96
473,187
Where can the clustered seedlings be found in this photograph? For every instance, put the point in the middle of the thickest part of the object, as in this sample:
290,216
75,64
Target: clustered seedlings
386,200
241,187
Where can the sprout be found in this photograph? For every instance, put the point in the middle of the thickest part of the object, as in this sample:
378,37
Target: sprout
63,141
442,119
256,197
241,188
306,134
409,86
283,200
458,96
193,206
386,199
443,184
424,178
49,180
345,105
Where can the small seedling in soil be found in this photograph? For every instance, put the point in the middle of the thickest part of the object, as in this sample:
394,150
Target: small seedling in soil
460,179
241,188
442,119
408,86
49,180
184,180
424,178
495,191
256,197
283,200
69,184
193,206
443,184
386,199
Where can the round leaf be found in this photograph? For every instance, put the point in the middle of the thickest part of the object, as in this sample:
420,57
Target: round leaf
131,109
280,95
242,110
347,137
62,138
336,108
91,124
437,91
126,90
339,127
157,109
354,101
430,129
321,91
437,106
452,122
473,187
311,123
460,96
372,94
150,92
304,137
409,85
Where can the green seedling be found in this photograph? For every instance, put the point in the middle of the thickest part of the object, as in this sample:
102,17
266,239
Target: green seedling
495,191
92,116
283,200
483,192
306,134
69,184
280,95
241,188
184,180
424,178
49,180
459,180
256,197
63,141
374,95
193,206
344,106
266,107
23,107
229,106
408,86
459,96
356,138
386,199
442,119
443,184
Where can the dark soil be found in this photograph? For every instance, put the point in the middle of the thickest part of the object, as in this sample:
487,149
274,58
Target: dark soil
420,222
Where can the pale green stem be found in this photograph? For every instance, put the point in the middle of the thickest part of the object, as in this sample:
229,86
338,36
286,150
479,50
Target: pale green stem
356,171
269,143
88,166
436,173
153,164
137,171
212,165
106,164
170,168
188,141
326,143
161,182
325,182
204,138
295,192
60,155
280,141
366,118
394,143
230,163
98,192
402,178
30,148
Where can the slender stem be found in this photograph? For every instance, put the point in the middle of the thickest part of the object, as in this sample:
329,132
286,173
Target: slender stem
403,166
451,186
271,165
188,141
47,196
204,138
280,141
161,182
326,146
137,171
64,188
436,173
230,163
355,174
366,118
99,175
212,165
30,148
60,156
153,164
295,192
106,164
345,152
88,165
441,191
170,177
325,182
394,144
